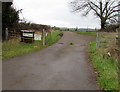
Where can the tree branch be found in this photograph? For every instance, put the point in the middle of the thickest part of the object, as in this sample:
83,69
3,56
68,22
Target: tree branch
113,16
95,5
94,10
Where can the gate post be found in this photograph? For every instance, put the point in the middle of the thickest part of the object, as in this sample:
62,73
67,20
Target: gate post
6,34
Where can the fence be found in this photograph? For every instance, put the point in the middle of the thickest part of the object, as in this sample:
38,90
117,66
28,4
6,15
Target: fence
11,34
42,36
110,42
104,37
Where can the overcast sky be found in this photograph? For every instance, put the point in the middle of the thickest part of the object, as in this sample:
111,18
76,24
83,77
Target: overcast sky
55,13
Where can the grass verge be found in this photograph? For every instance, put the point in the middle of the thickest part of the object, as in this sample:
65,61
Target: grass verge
107,68
14,47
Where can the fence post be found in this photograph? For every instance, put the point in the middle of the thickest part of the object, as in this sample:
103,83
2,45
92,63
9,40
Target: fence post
6,34
43,42
97,40
51,36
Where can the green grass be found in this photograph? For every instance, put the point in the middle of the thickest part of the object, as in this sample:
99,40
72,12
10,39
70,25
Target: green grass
85,32
106,67
53,37
14,48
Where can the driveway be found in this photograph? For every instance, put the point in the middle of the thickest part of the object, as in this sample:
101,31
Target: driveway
59,67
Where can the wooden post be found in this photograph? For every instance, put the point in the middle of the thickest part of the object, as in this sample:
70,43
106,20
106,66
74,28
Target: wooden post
32,37
21,33
43,42
51,36
6,34
97,40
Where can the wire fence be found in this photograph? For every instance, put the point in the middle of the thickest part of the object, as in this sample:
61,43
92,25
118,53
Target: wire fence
103,38
110,42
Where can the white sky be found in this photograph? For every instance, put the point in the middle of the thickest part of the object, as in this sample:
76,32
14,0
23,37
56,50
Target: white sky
55,13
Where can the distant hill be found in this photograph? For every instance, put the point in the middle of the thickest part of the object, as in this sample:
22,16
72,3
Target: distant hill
79,29
86,29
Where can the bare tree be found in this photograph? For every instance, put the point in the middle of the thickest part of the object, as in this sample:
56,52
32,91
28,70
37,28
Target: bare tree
105,10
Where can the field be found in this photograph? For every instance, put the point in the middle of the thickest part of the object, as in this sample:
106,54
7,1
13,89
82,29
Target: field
86,32
14,47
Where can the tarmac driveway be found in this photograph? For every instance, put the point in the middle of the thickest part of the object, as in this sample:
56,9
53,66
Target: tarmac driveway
59,67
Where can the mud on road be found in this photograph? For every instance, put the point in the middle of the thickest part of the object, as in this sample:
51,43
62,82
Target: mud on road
62,66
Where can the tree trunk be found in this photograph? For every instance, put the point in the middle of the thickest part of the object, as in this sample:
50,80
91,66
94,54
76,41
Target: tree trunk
102,25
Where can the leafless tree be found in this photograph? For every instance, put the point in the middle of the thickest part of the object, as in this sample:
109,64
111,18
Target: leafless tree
105,10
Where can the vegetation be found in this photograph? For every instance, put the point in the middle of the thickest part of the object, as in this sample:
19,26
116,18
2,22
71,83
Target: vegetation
105,65
12,48
32,26
85,32
10,20
53,37
112,27
10,17
105,10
